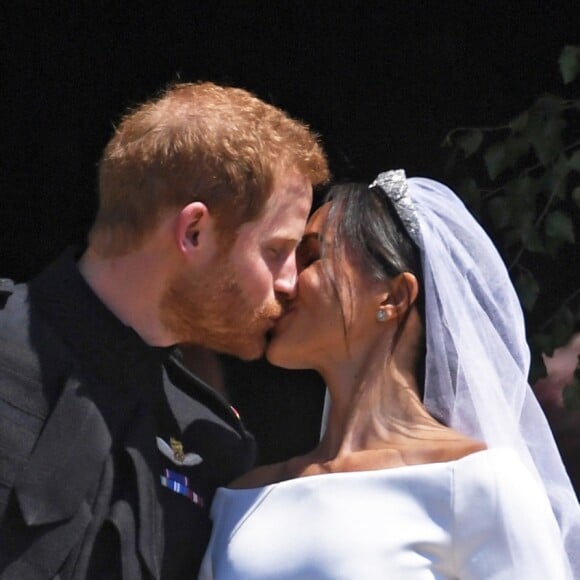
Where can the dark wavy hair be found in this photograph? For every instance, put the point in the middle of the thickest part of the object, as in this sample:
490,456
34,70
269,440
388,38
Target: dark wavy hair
365,227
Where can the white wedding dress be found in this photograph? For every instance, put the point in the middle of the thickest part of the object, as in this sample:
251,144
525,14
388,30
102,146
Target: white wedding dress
479,517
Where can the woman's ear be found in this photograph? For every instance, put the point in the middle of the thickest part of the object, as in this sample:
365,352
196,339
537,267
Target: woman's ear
192,227
401,294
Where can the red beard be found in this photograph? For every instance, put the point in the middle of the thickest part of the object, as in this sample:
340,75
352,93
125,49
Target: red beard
214,313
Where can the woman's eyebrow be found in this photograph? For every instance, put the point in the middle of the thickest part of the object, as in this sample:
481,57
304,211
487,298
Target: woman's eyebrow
311,236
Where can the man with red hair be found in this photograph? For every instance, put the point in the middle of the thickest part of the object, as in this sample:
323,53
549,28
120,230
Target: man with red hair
110,449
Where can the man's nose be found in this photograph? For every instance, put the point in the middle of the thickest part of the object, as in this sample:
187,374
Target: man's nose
285,282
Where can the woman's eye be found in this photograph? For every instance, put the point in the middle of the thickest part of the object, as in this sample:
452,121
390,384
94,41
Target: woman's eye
308,252
305,259
311,261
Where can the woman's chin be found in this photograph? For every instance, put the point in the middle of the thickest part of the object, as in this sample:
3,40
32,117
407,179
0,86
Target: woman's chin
280,356
274,356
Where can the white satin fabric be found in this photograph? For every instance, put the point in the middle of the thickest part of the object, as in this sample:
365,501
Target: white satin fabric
482,517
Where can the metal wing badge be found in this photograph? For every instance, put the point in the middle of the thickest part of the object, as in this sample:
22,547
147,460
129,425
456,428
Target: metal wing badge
174,452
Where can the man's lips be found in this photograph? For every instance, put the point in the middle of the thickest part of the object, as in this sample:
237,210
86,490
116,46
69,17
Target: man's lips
280,321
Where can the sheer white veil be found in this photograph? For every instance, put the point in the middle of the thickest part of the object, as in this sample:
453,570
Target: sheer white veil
477,356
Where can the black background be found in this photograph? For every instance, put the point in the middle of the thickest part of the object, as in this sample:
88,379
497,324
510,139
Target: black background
382,82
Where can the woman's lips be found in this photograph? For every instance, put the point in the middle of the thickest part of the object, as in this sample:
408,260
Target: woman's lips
281,321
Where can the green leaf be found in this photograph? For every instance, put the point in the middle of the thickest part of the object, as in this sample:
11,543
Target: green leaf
502,155
549,144
532,241
520,195
517,148
558,187
549,104
574,161
499,212
576,196
469,141
447,140
562,328
495,160
544,128
451,160
561,166
519,123
569,62
523,218
559,226
471,195
553,246
526,190
528,290
511,237
556,177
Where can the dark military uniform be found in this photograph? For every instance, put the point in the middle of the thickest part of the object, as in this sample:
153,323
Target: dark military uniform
110,450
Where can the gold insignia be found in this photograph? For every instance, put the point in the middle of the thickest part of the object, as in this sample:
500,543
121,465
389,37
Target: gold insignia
177,448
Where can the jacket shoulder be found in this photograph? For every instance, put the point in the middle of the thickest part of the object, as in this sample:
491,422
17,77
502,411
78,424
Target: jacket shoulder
6,290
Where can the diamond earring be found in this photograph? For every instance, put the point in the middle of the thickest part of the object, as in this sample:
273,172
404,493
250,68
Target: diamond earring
381,315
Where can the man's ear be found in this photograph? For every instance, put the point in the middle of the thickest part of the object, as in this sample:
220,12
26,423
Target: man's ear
193,227
402,293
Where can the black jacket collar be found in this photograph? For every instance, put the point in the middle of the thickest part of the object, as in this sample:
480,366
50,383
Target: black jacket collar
110,351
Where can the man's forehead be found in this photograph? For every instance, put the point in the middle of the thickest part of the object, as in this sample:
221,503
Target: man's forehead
291,198
284,219
291,181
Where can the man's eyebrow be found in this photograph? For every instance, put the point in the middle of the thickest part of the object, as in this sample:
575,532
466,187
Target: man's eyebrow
286,240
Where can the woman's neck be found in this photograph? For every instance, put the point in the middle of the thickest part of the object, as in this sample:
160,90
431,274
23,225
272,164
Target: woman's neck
375,402
387,413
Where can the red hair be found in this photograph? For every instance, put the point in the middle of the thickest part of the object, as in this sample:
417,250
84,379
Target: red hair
197,142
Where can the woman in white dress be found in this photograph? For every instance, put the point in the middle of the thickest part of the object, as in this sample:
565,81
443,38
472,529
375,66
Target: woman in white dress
436,460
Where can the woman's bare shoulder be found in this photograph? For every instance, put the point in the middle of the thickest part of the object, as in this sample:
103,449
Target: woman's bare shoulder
448,447
259,476
456,448
273,473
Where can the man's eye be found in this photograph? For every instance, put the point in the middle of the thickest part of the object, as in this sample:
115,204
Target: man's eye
276,253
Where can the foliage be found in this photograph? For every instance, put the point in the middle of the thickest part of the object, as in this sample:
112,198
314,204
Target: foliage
522,181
